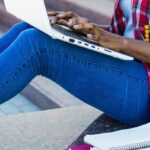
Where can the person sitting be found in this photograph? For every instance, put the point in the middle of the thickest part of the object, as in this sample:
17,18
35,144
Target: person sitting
118,88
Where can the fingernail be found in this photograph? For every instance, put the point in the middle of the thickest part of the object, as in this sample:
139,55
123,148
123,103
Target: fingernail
53,21
76,26
59,16
70,23
89,36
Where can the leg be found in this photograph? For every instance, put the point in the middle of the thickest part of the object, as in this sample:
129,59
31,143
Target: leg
12,34
118,88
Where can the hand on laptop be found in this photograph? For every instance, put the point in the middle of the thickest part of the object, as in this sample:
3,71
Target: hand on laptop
73,21
69,19
91,30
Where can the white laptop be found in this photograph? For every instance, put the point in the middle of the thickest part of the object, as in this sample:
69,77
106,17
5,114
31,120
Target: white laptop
34,12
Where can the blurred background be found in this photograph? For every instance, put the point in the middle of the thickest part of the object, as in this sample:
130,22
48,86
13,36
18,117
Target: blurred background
41,93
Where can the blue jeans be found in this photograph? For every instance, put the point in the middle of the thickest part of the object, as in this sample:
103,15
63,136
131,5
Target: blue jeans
118,88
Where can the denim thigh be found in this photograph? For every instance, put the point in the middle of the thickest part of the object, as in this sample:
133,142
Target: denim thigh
119,88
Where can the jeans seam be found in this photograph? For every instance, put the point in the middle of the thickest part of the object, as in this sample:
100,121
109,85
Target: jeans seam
126,95
68,57
91,63
96,66
19,69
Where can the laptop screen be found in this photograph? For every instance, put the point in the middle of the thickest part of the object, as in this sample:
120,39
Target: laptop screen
31,11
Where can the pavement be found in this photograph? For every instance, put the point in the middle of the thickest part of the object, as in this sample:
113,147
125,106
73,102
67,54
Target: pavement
18,104
46,130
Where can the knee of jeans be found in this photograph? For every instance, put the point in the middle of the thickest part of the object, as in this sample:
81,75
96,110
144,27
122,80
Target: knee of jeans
36,38
21,25
32,40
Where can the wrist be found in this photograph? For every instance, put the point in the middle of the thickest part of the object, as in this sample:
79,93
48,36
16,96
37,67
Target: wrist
124,45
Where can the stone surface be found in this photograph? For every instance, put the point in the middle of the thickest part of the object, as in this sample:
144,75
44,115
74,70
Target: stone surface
48,130
102,124
18,104
55,93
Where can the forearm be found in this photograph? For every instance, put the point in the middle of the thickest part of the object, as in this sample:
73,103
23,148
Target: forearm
138,49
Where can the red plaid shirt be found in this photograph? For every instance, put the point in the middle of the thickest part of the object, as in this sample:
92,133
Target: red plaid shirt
140,17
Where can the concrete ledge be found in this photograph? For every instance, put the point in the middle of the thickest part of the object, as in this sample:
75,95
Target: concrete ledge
39,98
48,130
48,95
55,93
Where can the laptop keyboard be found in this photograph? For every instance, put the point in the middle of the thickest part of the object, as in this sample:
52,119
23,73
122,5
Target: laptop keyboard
72,34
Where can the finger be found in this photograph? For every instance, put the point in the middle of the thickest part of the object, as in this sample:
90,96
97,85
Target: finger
53,13
62,22
90,36
93,37
82,20
65,15
72,22
85,28
53,20
76,21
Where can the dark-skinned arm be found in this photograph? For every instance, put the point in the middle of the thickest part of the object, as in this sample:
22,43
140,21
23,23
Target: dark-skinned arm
138,49
69,19
135,48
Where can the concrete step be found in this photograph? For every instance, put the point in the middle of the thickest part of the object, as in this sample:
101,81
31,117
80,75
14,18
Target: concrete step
55,93
46,130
